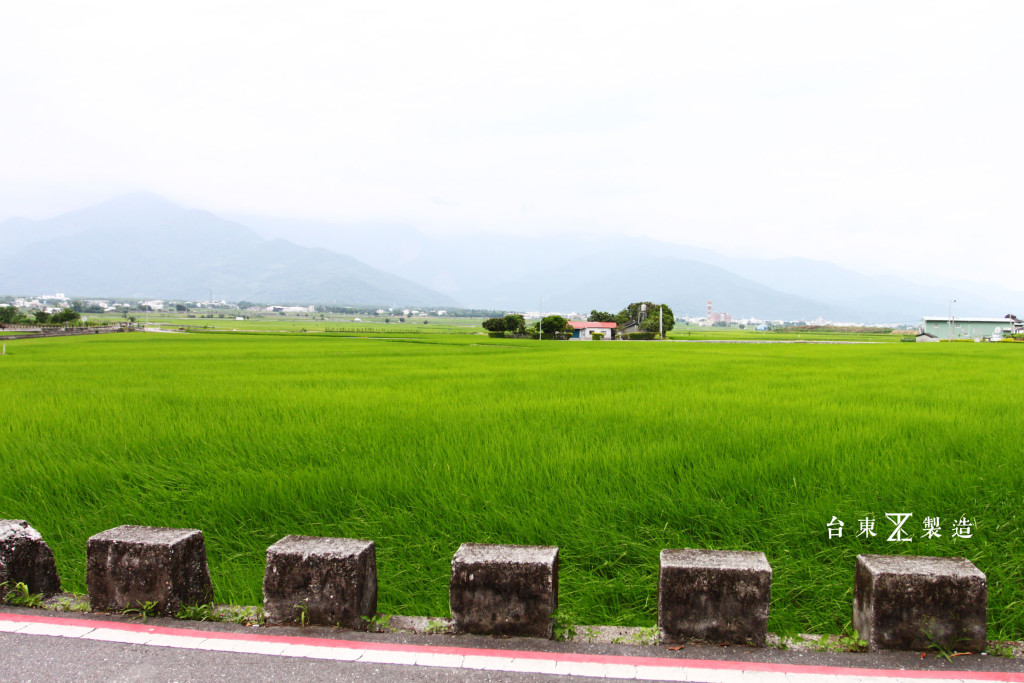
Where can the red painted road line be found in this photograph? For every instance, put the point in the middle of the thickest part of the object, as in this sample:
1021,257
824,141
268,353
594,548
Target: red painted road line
525,654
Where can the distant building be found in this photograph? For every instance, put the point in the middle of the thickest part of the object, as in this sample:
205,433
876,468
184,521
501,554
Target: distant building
965,328
926,337
582,329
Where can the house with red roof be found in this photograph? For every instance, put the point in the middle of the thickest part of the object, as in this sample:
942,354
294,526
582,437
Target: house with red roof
583,329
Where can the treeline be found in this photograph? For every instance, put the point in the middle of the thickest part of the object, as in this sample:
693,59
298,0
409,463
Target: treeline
12,315
841,328
638,320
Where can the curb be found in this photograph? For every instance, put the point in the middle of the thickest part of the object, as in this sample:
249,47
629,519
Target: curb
522,661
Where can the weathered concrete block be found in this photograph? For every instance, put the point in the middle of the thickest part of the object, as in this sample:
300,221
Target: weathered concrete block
721,596
131,565
25,558
903,602
504,589
335,579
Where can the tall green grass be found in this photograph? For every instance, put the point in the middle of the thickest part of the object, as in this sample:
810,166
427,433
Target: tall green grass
610,451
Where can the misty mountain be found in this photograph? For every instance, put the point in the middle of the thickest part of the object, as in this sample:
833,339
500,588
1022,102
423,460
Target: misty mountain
141,245
582,272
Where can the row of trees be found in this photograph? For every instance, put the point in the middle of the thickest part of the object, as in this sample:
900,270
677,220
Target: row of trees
12,315
648,317
644,314
513,322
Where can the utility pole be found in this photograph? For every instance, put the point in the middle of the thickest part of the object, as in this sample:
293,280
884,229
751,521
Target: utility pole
950,313
661,321
540,325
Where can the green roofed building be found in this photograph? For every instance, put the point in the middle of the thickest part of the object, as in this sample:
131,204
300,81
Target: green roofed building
969,328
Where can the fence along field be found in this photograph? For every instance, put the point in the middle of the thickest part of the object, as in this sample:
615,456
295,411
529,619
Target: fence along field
610,451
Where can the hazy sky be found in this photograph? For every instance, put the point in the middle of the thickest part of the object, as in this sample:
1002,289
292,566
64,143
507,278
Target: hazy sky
886,132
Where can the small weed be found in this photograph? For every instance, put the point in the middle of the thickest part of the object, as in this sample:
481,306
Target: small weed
435,626
590,634
646,636
198,613
379,623
565,626
18,595
303,614
244,616
941,650
1000,650
143,611
843,643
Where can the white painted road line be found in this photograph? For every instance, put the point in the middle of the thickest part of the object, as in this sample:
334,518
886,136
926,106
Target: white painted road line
437,659
338,654
56,630
116,635
550,663
388,657
533,666
187,642
252,647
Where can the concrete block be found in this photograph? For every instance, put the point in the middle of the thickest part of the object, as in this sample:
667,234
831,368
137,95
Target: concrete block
504,589
720,596
334,578
25,558
131,565
903,602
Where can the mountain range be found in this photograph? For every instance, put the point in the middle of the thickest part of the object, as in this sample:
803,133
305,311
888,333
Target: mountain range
141,245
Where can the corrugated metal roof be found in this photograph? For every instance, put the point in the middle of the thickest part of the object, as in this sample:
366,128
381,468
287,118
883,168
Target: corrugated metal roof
583,324
958,319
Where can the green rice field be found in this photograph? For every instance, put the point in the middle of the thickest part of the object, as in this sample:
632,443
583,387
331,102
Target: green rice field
611,451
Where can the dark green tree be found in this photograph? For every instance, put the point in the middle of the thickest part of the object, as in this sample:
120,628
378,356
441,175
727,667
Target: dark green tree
65,316
494,324
647,318
650,323
42,317
515,323
554,324
601,317
10,315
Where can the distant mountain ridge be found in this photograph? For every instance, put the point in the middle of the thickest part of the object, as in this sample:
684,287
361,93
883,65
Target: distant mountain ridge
583,272
143,245
140,245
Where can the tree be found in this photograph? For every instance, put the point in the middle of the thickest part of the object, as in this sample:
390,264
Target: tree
554,324
515,323
180,308
651,322
65,316
647,318
494,325
10,315
601,317
42,317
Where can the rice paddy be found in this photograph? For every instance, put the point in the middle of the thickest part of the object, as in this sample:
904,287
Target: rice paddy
610,451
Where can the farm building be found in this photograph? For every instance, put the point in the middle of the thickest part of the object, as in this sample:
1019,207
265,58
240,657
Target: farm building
582,329
968,328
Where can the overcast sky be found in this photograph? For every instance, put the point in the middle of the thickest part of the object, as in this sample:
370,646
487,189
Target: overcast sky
885,134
